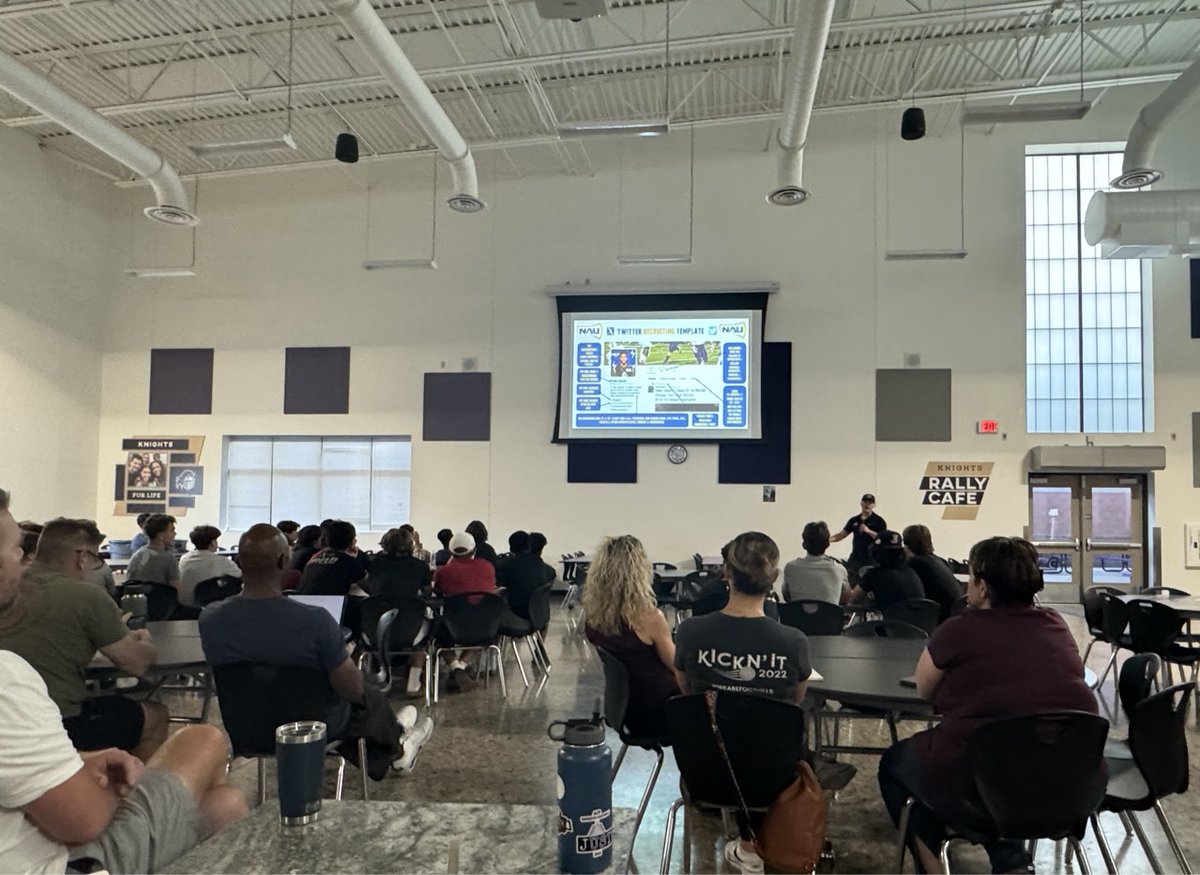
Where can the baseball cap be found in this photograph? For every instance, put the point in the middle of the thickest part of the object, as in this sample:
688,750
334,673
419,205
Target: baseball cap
462,544
889,538
868,497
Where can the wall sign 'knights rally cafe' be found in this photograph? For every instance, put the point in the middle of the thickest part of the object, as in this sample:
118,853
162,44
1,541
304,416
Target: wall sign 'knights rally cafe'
957,486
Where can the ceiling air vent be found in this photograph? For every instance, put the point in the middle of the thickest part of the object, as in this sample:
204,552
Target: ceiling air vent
575,10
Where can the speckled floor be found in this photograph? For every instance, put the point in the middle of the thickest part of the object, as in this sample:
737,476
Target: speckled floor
488,749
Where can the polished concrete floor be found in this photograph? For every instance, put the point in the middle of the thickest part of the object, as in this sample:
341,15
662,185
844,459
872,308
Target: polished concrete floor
486,748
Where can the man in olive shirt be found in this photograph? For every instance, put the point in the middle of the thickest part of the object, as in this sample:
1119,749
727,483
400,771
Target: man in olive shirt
58,622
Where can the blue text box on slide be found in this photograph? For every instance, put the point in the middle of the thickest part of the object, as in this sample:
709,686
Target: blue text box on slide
587,355
734,410
588,375
704,420
632,420
734,362
587,403
587,390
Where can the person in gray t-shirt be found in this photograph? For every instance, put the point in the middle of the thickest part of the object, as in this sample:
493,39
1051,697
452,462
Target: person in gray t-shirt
815,577
156,562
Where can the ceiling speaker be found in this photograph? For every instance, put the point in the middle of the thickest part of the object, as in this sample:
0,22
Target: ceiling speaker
346,148
912,123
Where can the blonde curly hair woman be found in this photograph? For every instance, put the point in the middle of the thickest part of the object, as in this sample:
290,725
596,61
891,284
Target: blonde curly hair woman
624,620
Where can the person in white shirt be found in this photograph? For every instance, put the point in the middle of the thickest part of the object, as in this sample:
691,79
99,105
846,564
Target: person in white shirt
106,807
203,563
816,576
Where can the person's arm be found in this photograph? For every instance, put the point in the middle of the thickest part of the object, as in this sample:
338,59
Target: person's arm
173,571
840,536
76,811
347,681
659,633
681,647
133,654
929,676
801,690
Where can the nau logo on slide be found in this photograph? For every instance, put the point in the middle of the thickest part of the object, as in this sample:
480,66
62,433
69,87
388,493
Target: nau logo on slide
588,330
736,329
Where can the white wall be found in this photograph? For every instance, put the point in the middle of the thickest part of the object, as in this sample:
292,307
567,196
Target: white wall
278,255
56,275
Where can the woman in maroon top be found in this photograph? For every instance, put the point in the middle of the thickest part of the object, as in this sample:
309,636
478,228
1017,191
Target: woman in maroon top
623,618
1001,658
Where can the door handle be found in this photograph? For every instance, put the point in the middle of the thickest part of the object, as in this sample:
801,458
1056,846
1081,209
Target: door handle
1112,545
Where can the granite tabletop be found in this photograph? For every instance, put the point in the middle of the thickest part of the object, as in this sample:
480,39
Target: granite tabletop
395,837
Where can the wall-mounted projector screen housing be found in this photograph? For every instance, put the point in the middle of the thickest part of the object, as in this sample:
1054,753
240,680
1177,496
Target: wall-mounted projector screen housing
660,367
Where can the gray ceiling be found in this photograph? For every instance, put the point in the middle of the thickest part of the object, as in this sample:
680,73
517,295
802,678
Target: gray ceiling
174,72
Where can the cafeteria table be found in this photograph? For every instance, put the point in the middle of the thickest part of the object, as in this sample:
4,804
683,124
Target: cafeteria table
396,837
1187,605
179,653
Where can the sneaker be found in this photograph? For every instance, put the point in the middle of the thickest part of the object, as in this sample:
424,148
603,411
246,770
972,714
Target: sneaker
462,680
406,718
414,740
414,681
742,859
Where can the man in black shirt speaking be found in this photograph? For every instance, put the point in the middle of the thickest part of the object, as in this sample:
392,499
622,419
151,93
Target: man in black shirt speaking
865,528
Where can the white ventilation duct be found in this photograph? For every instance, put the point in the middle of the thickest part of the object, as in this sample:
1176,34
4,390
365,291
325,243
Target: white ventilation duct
808,50
376,40
1145,224
1138,169
58,106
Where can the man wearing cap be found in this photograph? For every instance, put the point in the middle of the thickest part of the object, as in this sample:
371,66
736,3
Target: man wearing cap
462,575
865,527
889,579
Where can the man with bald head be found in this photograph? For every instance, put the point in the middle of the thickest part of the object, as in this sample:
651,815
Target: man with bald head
261,626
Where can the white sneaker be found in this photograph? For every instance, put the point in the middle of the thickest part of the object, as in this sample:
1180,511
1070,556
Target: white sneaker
742,859
406,719
414,681
414,740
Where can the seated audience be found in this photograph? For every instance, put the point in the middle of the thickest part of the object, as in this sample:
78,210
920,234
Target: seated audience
721,651
1001,659
30,532
520,573
623,618
418,550
938,580
537,543
890,580
464,574
335,569
156,562
442,556
203,563
815,577
141,539
289,528
483,550
56,622
306,546
263,626
397,571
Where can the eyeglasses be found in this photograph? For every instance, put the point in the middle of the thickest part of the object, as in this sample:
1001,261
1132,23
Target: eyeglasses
97,563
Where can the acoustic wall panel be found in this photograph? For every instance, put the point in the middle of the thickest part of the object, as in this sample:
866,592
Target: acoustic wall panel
607,462
181,381
457,407
316,379
1194,273
768,461
912,404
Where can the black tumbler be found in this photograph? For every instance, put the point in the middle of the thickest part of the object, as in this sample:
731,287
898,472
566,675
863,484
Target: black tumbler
300,763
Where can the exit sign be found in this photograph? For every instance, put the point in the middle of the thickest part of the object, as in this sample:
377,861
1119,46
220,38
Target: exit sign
987,426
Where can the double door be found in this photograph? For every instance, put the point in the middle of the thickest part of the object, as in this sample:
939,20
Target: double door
1089,529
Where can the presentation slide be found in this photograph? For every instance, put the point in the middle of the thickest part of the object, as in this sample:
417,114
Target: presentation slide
661,375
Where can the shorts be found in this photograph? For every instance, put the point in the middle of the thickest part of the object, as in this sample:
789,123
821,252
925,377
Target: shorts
153,826
107,721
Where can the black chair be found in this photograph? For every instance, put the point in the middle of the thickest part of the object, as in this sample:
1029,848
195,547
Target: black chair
663,566
1093,615
764,762
1157,628
390,625
216,589
1114,620
1158,743
884,629
516,628
256,699
162,600
813,617
616,704
1162,590
1036,776
470,622
1137,680
711,595
960,604
922,613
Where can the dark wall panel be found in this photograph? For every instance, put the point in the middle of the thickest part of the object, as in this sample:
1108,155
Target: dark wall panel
1194,272
457,407
316,379
181,381
602,463
912,404
768,461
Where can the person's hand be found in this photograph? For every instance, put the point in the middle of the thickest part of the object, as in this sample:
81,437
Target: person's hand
865,529
139,634
114,769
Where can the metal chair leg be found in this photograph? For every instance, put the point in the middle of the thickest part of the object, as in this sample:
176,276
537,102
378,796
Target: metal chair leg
617,763
503,685
1075,845
1155,865
341,777
1088,650
262,779
664,866
437,673
1124,815
641,809
362,768
945,855
535,658
520,665
1110,864
905,813
687,841
1174,842
541,642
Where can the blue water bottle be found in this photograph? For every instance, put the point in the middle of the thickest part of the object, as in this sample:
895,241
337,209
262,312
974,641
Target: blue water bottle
584,795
